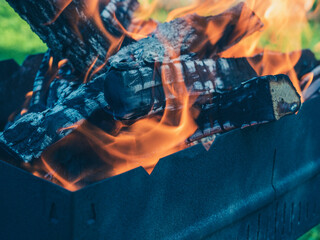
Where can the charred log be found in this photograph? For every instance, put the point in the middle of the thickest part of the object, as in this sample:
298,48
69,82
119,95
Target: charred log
136,92
54,80
253,102
138,84
35,131
190,35
260,100
70,31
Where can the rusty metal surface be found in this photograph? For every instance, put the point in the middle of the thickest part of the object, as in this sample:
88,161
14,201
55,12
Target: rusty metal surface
256,183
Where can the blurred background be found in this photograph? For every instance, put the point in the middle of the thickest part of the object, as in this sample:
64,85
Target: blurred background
18,41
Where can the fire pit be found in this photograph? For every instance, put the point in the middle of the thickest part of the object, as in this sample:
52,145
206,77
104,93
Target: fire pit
187,196
234,126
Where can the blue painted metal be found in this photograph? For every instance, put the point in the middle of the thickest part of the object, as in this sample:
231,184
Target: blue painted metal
257,183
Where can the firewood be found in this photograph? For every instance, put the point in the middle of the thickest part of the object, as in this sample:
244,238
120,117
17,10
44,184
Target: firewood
133,88
260,100
81,157
41,80
138,90
54,80
71,32
35,131
190,35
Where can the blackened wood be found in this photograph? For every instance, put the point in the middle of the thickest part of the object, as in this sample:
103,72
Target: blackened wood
59,90
136,92
41,80
15,82
257,101
306,68
70,32
78,156
35,131
190,35
133,88
208,36
45,94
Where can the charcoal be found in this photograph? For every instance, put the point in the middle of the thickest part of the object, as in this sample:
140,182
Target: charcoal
15,82
35,131
188,36
69,31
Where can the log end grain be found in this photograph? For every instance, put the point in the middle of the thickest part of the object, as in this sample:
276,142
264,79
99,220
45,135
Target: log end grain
285,98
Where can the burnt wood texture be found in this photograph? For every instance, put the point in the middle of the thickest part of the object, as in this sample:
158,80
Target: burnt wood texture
69,29
35,131
189,36
257,101
54,80
139,82
136,91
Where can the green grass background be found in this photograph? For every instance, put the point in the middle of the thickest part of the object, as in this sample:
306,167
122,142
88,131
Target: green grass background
16,38
18,41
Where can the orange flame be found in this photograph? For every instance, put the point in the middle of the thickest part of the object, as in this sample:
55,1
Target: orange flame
147,140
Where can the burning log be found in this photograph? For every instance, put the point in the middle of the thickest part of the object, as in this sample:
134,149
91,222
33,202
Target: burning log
54,80
138,90
260,100
191,35
79,156
196,34
139,83
35,131
69,28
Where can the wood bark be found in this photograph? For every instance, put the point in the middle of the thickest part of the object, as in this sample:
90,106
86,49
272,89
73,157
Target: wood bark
257,101
35,131
135,88
220,111
190,36
71,32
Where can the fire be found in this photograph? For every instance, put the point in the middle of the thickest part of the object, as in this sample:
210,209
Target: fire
144,142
